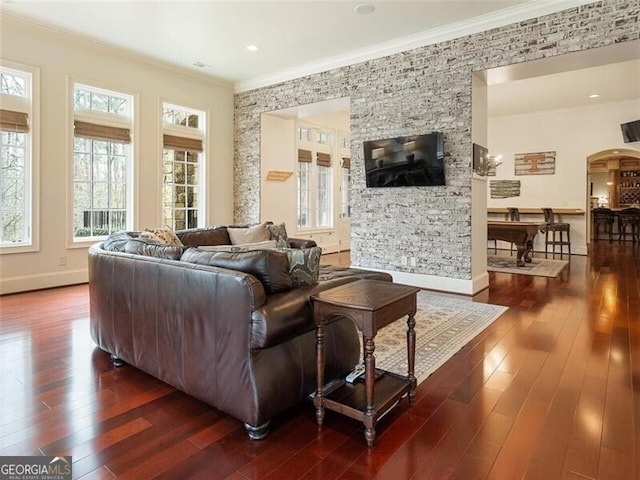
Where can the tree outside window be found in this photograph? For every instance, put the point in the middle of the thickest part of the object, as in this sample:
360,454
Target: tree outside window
16,130
101,162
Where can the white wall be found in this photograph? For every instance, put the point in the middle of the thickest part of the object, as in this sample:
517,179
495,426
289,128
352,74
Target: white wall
479,275
573,134
62,59
277,152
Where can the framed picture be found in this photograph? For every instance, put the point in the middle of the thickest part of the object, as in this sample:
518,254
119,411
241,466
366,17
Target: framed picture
540,163
480,154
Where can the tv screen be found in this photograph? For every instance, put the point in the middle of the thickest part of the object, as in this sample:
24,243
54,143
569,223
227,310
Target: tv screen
411,161
631,131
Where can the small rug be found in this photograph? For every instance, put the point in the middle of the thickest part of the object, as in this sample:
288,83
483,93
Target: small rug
539,266
443,326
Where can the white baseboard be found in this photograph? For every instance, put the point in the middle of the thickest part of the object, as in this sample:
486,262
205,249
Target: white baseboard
25,283
434,282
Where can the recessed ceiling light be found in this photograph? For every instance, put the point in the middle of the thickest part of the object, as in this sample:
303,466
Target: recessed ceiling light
616,151
365,9
594,95
252,48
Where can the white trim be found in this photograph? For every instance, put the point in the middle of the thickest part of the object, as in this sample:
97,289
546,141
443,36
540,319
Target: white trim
433,282
24,283
526,11
32,169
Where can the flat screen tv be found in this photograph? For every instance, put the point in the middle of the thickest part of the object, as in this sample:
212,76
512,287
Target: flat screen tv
411,161
630,131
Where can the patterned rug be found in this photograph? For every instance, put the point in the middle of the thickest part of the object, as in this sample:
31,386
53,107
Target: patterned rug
538,266
443,326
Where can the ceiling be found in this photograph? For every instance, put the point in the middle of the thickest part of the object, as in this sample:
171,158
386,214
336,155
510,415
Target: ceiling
297,38
614,82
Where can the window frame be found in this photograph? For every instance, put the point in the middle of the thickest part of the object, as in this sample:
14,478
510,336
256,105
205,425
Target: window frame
314,136
110,120
31,106
192,133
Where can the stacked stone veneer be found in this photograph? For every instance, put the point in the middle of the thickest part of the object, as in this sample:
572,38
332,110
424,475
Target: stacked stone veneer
414,92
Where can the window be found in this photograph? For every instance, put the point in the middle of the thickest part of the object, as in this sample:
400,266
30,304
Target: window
182,165
315,178
304,188
102,162
17,87
324,200
345,180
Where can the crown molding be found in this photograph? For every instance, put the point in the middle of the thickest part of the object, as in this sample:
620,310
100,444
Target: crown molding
119,52
526,11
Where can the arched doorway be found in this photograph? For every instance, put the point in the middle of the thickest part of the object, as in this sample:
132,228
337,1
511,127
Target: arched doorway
613,180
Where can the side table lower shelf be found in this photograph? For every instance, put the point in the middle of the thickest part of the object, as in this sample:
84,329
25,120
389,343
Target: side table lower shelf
351,399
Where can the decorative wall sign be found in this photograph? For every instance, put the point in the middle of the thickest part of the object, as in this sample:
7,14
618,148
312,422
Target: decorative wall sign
542,163
278,175
504,188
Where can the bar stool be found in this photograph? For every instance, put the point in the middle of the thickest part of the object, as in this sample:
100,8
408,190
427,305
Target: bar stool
629,217
552,227
602,217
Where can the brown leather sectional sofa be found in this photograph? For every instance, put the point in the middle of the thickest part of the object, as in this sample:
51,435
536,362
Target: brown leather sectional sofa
215,333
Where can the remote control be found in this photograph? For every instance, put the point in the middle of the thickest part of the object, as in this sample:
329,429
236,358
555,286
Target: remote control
355,373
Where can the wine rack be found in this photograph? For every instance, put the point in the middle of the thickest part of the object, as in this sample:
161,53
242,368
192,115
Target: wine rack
629,184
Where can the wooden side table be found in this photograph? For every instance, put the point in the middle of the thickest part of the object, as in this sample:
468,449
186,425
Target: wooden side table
370,304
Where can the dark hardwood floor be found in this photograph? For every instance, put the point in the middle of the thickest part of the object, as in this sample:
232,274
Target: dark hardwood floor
551,390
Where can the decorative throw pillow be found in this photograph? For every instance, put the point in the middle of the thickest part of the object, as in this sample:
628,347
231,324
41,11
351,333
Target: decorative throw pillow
304,265
279,234
163,235
270,267
256,233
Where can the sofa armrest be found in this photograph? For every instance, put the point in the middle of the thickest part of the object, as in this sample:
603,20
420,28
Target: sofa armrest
301,243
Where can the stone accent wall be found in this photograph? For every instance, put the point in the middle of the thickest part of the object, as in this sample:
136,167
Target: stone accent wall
414,92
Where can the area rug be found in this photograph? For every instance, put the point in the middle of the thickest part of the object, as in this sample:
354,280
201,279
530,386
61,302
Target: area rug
443,326
539,266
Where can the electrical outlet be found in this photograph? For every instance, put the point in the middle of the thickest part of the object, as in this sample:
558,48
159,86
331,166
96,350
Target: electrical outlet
62,260
412,261
403,260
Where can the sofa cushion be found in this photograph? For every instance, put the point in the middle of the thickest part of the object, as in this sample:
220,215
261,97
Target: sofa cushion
304,265
195,237
253,234
116,241
163,235
270,267
267,245
331,272
141,246
279,234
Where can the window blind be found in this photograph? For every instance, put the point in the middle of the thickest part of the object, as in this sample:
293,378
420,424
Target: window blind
101,132
304,156
14,121
182,143
323,159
